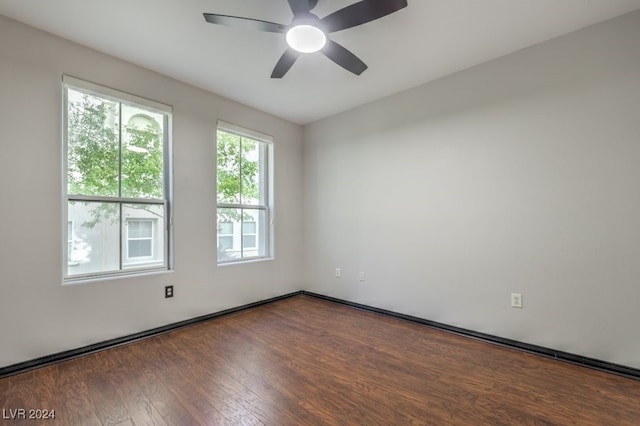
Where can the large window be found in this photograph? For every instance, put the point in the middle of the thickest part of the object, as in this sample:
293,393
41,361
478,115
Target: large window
117,182
243,194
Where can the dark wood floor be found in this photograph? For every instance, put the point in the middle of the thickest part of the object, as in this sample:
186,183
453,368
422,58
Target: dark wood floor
303,361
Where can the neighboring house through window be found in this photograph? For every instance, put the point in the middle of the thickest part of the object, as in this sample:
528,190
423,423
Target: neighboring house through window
139,239
225,235
117,181
249,235
244,160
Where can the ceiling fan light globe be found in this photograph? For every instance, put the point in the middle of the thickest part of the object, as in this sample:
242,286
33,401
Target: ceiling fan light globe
306,38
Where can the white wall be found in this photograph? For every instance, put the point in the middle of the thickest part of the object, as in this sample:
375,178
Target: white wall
39,316
519,175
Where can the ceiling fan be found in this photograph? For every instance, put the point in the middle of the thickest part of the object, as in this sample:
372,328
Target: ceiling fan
307,33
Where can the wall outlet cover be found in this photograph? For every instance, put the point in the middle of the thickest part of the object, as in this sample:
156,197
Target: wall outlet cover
516,300
168,291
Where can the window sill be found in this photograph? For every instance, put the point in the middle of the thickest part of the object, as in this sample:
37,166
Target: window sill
244,261
70,281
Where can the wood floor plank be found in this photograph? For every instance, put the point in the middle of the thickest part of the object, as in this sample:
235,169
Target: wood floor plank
73,404
248,367
232,399
126,374
305,361
110,408
185,390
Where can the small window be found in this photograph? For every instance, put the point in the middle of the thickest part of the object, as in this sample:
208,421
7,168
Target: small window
243,181
117,175
139,239
249,235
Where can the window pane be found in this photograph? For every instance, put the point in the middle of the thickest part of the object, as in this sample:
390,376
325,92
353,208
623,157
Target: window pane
95,236
143,235
228,167
140,248
253,240
225,228
252,190
146,228
133,228
248,242
249,228
228,220
142,153
253,245
92,145
138,228
225,242
248,236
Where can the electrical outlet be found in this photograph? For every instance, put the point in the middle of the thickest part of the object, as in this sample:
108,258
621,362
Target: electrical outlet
338,273
516,300
168,291
361,276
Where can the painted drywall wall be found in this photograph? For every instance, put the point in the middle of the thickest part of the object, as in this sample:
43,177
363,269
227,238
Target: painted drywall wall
38,315
520,175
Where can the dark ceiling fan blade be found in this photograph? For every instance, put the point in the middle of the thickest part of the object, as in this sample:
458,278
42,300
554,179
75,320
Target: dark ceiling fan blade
361,13
343,57
300,7
312,4
285,62
247,23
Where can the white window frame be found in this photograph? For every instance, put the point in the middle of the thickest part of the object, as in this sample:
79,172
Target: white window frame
267,208
123,98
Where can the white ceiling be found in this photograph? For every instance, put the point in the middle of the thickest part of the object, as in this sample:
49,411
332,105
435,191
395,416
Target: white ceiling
425,41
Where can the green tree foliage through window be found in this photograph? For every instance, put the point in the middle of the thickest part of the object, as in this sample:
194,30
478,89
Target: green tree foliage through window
107,158
241,195
92,143
237,170
142,164
94,152
115,165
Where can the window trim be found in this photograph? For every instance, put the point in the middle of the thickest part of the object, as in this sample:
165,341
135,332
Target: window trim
267,207
123,98
116,95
